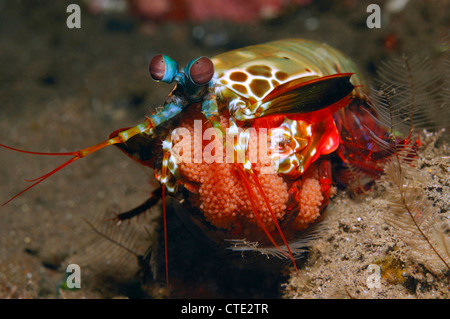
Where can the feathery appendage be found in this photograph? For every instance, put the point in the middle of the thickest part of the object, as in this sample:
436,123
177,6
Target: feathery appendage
411,96
122,245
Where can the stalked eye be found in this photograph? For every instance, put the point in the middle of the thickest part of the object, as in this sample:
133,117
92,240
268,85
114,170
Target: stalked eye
157,67
162,68
201,70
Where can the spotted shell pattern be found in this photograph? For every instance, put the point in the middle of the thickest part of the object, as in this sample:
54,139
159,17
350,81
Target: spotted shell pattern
252,73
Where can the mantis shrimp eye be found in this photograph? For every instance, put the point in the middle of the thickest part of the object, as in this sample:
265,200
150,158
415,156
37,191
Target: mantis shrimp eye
157,67
201,70
162,68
